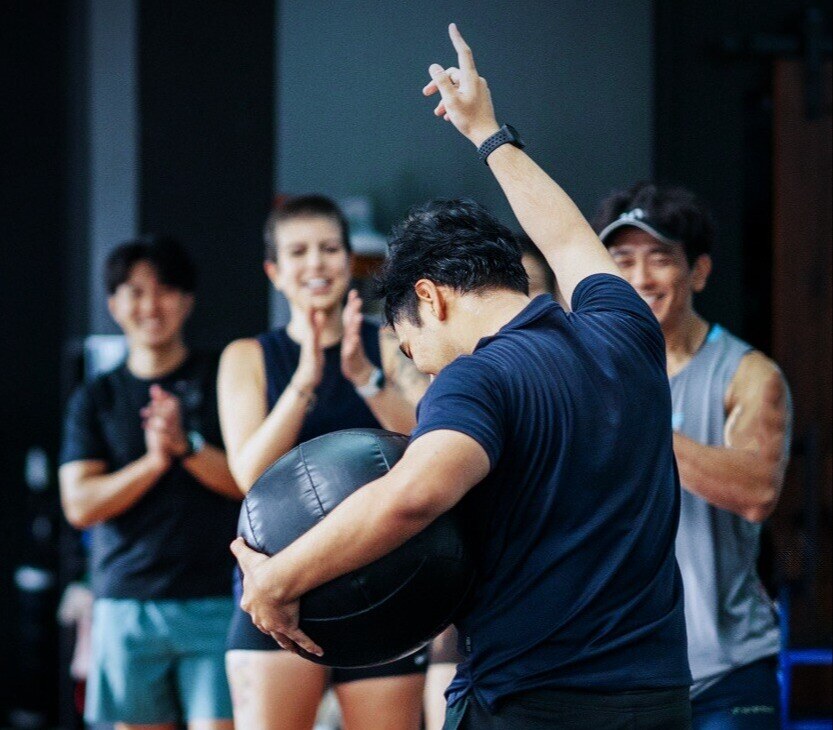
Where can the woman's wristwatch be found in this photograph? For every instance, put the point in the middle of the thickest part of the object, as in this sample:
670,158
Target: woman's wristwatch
374,384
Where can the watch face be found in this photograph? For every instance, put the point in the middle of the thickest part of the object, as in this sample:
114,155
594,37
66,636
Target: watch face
513,133
195,441
379,380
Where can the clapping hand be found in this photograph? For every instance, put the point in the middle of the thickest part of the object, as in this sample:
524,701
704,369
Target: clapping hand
355,365
162,421
310,368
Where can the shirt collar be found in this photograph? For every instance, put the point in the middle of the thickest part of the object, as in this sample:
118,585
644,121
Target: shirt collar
539,306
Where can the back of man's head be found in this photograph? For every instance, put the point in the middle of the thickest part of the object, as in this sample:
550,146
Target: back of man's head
453,243
671,214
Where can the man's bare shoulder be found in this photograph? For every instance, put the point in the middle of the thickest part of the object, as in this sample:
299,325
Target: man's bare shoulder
757,377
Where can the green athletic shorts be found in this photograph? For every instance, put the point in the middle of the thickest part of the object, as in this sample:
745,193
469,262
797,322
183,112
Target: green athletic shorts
158,661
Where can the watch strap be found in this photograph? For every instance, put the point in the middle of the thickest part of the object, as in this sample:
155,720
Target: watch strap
373,385
505,135
195,442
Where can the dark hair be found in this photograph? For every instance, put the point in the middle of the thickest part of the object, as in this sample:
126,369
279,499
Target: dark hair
528,248
169,259
676,212
455,243
303,206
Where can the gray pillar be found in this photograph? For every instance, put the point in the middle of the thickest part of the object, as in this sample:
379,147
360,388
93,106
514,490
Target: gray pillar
113,141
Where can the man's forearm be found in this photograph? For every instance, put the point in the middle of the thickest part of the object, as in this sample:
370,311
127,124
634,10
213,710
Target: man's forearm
210,468
743,482
93,499
550,218
366,526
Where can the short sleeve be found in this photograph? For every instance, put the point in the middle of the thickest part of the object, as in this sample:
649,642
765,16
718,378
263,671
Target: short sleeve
82,437
465,397
606,295
606,292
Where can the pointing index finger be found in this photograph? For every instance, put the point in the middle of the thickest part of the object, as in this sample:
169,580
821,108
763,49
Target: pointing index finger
465,57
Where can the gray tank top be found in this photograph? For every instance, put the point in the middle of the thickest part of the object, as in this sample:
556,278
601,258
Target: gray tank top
730,619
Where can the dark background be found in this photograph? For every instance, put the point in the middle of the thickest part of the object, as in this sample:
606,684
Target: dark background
187,117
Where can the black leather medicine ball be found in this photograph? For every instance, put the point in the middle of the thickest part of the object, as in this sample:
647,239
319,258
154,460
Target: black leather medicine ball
391,607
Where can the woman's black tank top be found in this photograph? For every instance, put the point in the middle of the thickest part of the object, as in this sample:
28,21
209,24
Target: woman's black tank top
337,404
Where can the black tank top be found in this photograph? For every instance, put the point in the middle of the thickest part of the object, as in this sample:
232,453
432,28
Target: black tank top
337,404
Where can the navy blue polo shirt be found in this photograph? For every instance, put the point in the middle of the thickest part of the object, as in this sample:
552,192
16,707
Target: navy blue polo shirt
573,528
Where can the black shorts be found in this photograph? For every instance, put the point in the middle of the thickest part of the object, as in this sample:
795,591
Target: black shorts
243,635
667,709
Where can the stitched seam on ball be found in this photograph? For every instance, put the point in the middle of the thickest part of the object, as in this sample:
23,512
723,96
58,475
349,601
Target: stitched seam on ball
373,604
381,453
257,542
354,578
311,484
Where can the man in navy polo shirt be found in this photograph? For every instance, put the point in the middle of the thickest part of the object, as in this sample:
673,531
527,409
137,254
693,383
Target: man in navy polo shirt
551,429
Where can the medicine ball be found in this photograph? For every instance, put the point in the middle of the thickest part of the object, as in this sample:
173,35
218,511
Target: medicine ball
391,607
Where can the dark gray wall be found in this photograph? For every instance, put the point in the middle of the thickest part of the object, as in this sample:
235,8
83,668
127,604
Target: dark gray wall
574,77
206,86
123,117
714,134
171,133
113,141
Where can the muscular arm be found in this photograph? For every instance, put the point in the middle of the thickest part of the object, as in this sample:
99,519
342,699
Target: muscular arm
435,472
254,439
746,475
89,495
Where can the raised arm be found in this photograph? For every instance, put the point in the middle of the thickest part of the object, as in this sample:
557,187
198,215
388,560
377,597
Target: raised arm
543,209
746,475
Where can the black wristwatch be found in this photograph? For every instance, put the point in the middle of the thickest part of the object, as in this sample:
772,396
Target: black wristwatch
507,134
374,384
195,444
